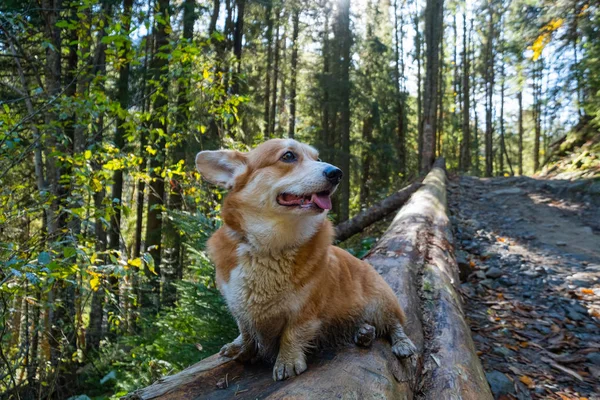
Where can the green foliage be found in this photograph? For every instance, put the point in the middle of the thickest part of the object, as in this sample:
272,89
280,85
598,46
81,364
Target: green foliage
195,328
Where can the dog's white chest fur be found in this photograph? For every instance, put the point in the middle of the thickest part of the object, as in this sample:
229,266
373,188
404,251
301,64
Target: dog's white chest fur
260,289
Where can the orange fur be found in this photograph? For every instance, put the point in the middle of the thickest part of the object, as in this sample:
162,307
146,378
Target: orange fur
285,283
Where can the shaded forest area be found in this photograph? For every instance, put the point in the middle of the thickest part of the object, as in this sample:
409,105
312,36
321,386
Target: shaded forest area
104,285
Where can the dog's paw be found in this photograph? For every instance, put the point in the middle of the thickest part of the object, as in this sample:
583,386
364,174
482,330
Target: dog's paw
365,335
237,352
288,368
403,348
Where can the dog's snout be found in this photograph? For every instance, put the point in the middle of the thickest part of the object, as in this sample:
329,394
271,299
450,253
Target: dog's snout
333,174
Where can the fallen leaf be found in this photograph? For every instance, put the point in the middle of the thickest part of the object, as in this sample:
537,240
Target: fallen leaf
562,369
472,264
587,291
524,344
527,381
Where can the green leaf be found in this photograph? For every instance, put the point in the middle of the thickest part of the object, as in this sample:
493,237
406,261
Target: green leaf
44,258
69,252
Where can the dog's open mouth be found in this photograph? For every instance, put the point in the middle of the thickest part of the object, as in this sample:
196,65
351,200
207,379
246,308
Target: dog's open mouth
319,201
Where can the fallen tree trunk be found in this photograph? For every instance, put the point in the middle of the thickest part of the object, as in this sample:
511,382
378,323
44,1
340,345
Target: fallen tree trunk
415,256
375,213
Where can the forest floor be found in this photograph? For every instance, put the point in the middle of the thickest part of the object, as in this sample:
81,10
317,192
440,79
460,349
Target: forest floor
532,295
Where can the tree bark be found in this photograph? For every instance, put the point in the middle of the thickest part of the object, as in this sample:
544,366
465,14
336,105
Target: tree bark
419,241
154,223
465,148
400,98
537,101
238,37
344,40
294,69
433,33
174,264
267,95
489,82
520,100
366,156
123,99
214,17
273,112
419,91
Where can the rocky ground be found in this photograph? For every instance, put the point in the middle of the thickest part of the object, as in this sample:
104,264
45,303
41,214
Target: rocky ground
529,251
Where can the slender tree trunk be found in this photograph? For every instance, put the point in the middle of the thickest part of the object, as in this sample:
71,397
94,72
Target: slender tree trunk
123,99
214,17
154,223
326,133
433,32
273,112
268,116
174,266
439,122
489,130
465,149
520,100
367,136
538,116
419,90
345,42
281,110
238,37
502,137
95,330
400,108
294,69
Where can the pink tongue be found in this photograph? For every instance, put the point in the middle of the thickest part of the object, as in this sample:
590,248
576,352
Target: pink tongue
322,200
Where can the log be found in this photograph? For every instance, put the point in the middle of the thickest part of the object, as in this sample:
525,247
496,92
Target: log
375,213
416,257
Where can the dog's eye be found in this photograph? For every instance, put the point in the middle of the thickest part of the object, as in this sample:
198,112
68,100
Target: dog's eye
288,157
319,160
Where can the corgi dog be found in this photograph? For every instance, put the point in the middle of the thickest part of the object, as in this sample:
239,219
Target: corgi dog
286,285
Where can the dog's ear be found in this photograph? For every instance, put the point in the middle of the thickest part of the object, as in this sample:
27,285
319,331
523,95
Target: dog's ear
221,167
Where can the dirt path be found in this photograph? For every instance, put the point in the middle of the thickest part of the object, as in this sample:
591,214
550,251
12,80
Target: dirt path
533,288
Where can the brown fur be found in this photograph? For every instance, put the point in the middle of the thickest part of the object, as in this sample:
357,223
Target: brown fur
287,285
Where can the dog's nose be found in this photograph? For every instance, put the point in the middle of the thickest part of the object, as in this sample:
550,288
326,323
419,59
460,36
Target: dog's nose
333,174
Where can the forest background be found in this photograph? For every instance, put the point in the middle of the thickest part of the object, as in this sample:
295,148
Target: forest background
104,285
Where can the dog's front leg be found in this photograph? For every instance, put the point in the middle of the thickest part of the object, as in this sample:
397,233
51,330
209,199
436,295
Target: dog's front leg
296,338
243,348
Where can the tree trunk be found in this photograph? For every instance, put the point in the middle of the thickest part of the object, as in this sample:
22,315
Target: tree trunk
154,223
433,32
417,244
174,270
345,41
214,17
520,100
268,116
367,137
95,329
400,99
123,99
273,112
419,91
439,122
465,149
489,129
294,69
238,37
537,101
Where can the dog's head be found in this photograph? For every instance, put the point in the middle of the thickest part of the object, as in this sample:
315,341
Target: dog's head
281,180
